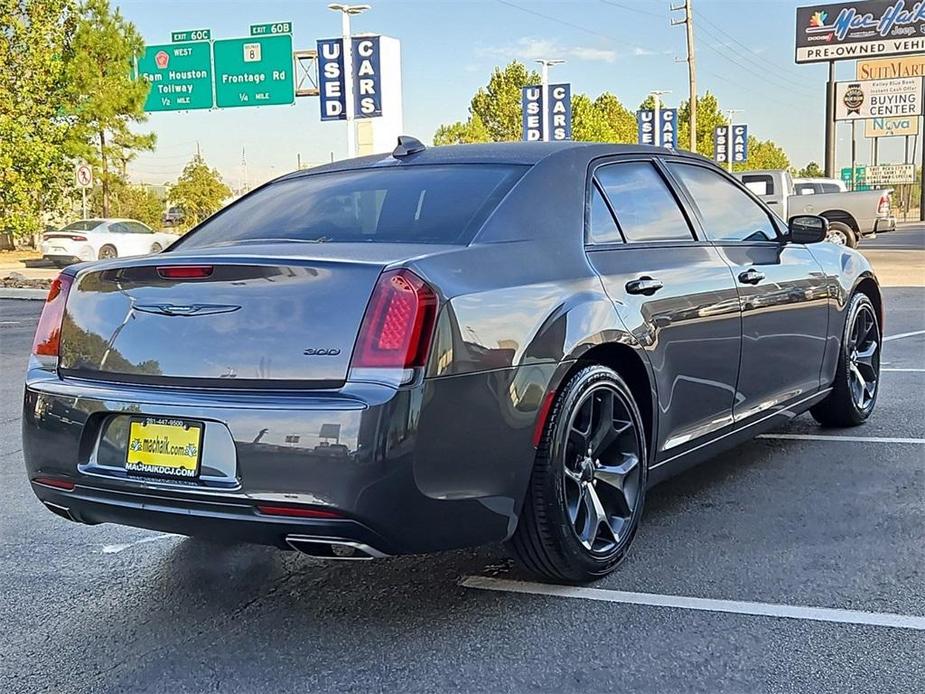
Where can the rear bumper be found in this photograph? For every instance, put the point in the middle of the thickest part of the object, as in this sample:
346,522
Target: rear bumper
882,224
440,465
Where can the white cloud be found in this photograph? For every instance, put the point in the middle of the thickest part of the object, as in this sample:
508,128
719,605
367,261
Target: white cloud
530,48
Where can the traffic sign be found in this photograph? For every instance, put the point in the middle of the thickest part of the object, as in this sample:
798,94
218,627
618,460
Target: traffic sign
254,71
180,75
193,35
83,175
269,29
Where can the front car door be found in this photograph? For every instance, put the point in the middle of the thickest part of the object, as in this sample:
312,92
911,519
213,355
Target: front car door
673,292
782,289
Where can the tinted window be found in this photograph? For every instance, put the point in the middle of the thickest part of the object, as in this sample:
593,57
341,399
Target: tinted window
728,213
138,228
83,225
414,204
603,228
645,208
829,188
759,184
804,189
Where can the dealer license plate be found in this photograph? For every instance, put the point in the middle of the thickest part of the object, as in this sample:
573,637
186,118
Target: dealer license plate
164,447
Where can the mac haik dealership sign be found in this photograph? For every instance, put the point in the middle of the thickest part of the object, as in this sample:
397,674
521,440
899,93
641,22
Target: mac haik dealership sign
850,30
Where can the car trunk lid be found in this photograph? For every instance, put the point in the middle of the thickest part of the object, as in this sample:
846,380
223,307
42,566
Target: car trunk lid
246,319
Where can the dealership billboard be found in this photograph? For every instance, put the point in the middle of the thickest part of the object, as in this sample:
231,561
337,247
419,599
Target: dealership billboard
854,30
858,100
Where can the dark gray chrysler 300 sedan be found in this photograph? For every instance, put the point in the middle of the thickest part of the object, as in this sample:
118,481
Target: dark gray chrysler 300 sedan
444,347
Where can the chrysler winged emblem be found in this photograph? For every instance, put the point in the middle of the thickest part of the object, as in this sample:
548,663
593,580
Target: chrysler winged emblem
186,309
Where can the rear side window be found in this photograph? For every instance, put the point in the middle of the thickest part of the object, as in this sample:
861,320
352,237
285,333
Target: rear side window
83,225
603,228
413,204
728,213
829,188
759,184
646,209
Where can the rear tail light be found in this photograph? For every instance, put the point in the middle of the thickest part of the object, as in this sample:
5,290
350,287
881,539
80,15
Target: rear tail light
48,333
399,321
185,272
884,207
72,237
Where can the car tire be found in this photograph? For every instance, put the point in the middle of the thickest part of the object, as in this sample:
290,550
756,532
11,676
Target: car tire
857,376
107,252
842,235
582,511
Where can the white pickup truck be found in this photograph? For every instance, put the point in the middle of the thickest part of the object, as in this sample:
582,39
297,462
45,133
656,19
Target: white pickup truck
851,215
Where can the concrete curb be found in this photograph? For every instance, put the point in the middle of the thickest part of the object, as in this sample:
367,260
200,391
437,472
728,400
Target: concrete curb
31,294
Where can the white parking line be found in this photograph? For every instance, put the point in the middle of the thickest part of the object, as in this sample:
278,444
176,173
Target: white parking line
764,609
905,371
115,549
856,439
902,335
10,322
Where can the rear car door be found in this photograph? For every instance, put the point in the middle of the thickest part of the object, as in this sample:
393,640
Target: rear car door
673,292
782,289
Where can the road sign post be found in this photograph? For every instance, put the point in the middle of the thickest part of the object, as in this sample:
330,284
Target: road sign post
254,71
180,75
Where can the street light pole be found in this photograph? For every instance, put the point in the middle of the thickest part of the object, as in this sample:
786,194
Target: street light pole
346,12
656,95
731,113
545,65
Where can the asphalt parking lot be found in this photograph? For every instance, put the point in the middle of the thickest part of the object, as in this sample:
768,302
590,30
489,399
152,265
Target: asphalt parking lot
795,563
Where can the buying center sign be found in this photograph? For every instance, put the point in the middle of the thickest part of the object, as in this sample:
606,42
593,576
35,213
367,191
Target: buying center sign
860,100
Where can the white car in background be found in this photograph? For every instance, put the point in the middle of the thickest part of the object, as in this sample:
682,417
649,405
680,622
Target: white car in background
98,239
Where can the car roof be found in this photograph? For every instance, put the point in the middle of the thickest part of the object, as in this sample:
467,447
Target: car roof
511,153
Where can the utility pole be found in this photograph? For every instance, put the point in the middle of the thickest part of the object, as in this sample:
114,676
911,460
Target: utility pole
691,65
730,112
656,95
830,124
244,168
546,64
348,11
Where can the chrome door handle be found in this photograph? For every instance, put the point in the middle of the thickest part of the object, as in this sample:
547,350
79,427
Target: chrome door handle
751,276
644,285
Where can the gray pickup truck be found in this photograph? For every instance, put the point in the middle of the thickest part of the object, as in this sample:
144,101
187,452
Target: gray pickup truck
851,215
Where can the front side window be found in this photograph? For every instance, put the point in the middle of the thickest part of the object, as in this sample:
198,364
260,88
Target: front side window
728,213
646,209
412,204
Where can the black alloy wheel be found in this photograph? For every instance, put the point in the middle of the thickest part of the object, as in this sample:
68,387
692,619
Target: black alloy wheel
857,376
587,490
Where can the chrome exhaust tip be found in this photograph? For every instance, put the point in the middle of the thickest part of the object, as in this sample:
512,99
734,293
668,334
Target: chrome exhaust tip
332,548
59,510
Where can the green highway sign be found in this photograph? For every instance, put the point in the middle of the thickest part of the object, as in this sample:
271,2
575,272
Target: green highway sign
193,35
255,71
269,29
180,75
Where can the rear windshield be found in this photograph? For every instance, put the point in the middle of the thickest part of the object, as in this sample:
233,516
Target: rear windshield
413,204
83,225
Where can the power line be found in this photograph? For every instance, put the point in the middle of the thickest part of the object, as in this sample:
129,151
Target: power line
727,54
632,9
560,21
747,48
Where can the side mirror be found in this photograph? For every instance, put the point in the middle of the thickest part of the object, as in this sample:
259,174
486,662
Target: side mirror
807,228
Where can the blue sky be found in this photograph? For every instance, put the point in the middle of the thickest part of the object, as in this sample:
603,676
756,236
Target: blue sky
745,57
